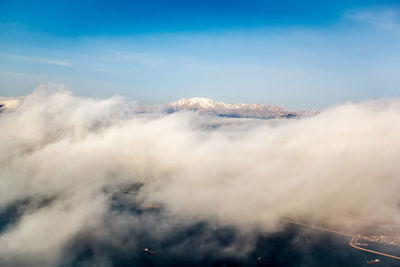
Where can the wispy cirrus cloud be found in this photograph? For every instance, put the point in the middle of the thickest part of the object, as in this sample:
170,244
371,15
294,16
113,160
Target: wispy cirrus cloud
36,59
384,18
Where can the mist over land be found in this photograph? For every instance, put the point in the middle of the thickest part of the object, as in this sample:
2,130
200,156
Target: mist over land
78,172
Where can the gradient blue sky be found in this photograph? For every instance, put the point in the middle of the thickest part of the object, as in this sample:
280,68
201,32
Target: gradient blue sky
298,54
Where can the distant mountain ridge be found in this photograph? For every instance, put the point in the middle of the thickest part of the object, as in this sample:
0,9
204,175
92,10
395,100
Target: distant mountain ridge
202,105
208,106
9,103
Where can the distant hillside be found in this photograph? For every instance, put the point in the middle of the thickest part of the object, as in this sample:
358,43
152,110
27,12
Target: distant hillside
208,106
203,106
9,103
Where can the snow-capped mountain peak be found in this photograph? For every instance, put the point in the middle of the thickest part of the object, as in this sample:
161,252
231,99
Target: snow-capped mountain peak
208,106
202,102
207,103
201,105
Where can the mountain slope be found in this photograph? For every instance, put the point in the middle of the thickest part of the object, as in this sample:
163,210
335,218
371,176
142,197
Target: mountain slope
201,105
208,106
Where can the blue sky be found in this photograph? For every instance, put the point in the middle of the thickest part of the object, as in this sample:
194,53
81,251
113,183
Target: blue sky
298,54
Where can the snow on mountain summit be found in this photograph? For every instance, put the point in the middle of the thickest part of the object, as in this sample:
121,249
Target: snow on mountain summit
201,105
207,103
202,102
208,106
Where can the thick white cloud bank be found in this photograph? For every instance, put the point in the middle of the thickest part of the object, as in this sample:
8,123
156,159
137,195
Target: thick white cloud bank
63,157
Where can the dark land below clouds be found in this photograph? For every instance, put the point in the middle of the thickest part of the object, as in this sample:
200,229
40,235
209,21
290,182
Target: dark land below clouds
289,247
293,245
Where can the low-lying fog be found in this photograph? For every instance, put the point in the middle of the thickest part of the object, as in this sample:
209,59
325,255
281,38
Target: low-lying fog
65,161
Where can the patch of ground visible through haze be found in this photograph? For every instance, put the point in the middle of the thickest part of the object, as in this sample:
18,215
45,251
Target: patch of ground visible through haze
204,244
